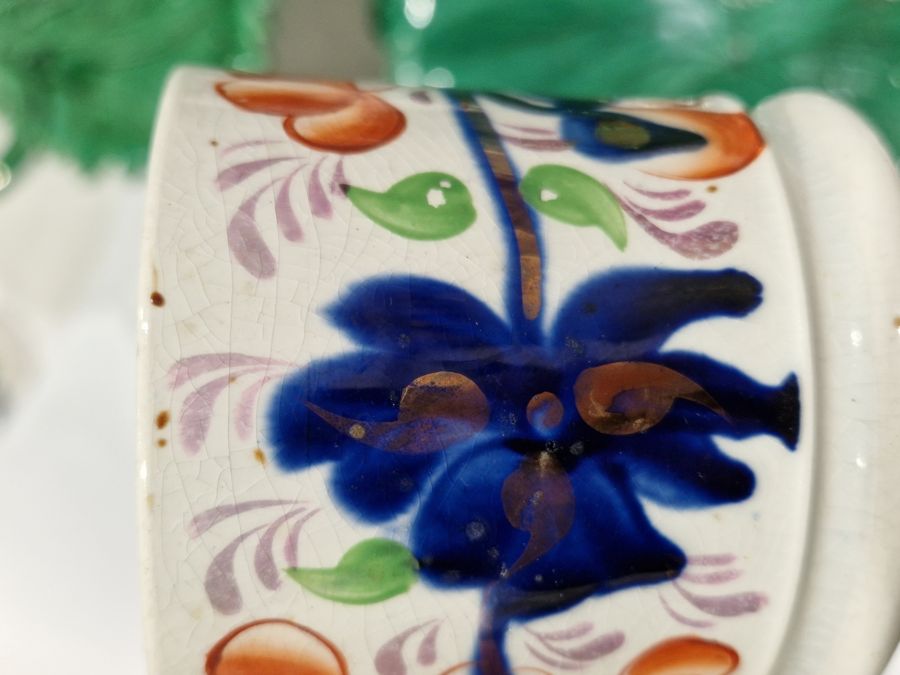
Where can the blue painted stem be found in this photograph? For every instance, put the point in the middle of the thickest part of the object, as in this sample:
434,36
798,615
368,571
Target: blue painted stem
524,281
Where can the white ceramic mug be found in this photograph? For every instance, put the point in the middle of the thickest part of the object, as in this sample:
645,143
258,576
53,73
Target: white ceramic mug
435,382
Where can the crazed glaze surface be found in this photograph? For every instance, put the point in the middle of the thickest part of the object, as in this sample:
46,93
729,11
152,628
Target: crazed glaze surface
449,383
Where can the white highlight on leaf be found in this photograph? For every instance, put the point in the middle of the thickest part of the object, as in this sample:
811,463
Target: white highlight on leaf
435,198
548,195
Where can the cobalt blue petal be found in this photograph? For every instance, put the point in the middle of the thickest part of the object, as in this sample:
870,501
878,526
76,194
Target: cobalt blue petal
752,408
418,316
625,314
362,385
614,136
682,470
377,485
461,536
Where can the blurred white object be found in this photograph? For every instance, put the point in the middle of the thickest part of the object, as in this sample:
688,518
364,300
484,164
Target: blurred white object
69,569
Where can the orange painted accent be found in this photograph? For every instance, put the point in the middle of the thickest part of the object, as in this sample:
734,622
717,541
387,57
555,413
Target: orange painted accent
288,97
545,410
733,141
642,392
685,656
436,411
330,116
275,647
365,124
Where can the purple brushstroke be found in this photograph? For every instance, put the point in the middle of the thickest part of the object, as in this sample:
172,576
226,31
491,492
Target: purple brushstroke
319,203
680,212
712,560
197,411
721,577
285,215
246,243
190,367
389,658
589,651
290,543
725,605
264,556
576,631
537,143
556,663
530,130
246,406
668,195
250,144
211,517
427,653
681,618
706,241
220,584
240,172
338,178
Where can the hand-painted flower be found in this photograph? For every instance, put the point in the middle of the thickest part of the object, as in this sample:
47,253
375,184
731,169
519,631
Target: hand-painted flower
524,453
331,116
673,142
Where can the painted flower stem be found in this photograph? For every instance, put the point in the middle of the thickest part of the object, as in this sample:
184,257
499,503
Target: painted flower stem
524,302
527,268
490,658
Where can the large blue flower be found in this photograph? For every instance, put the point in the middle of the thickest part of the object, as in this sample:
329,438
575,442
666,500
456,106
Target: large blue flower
512,478
521,452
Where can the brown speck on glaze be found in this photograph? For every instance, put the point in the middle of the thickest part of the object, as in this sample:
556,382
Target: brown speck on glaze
897,323
151,501
214,143
162,419
157,299
260,456
232,379
712,188
162,442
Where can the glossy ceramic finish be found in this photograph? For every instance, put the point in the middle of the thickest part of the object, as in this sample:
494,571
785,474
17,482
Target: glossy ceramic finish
446,383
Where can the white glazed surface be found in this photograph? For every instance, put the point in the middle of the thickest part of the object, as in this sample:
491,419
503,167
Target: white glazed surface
846,202
212,306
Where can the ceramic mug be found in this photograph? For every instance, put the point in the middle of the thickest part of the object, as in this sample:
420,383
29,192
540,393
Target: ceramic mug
435,382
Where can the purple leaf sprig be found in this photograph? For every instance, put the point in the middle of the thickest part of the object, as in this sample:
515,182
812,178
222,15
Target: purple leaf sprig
320,175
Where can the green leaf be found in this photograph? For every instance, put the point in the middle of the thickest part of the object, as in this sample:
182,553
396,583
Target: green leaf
424,206
573,197
371,571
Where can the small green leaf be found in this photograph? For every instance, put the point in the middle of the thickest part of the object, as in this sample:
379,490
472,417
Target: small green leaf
424,206
575,198
371,571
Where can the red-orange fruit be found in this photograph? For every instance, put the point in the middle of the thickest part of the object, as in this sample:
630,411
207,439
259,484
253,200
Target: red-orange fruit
365,124
274,647
733,142
685,656
288,97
